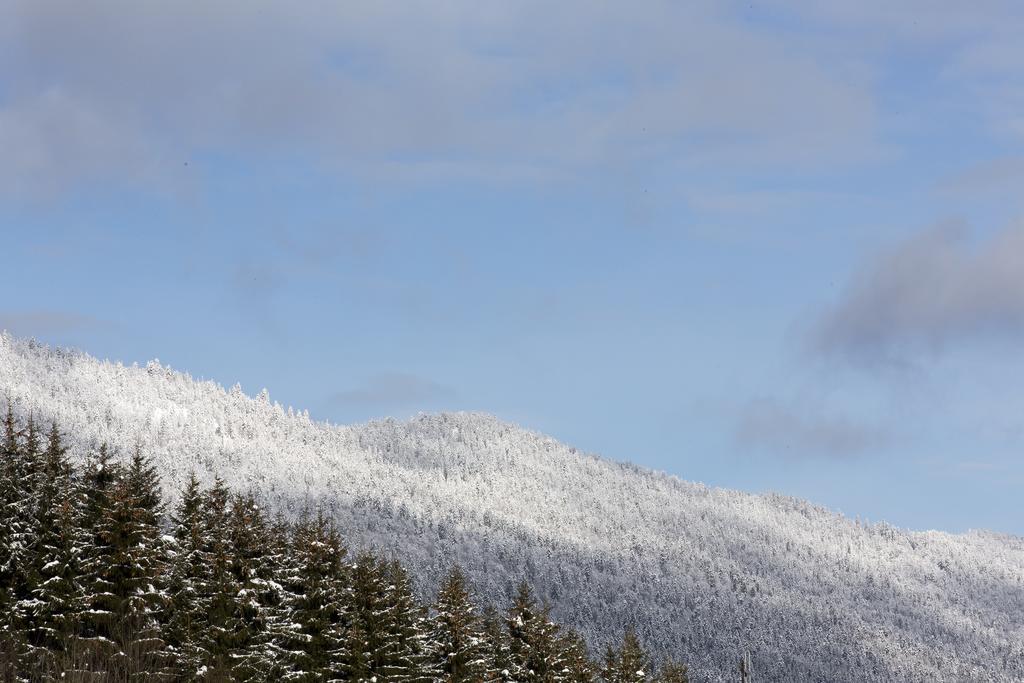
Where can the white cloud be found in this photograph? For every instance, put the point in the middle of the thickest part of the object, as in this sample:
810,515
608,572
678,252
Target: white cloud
521,90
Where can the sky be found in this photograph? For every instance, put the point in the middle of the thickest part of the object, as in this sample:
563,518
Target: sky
770,247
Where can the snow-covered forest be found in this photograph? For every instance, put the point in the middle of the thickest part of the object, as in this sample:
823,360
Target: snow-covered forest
97,583
702,574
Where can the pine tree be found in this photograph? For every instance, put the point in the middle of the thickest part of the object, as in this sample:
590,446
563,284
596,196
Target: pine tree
578,667
125,596
458,641
11,636
256,558
61,546
144,482
496,647
317,645
672,672
94,644
369,639
21,575
534,640
188,605
98,480
628,664
270,657
27,473
221,589
408,659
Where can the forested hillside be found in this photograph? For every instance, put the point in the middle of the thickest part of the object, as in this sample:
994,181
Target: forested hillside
703,574
97,583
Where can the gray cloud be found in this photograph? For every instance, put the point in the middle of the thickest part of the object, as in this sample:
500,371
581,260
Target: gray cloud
1002,175
937,289
393,390
803,431
31,323
508,91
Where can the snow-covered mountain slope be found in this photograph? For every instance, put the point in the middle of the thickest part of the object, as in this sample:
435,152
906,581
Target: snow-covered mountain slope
703,573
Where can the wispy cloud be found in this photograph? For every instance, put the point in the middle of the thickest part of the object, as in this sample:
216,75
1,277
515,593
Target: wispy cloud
933,291
47,322
392,390
801,431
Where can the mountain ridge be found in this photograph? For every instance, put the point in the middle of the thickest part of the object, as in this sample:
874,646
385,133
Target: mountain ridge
715,571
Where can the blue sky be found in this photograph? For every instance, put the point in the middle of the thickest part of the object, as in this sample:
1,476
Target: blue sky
764,247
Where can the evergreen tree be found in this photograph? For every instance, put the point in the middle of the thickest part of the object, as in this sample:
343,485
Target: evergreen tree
62,543
270,657
628,664
408,659
27,471
458,641
256,562
144,482
94,645
124,595
98,480
220,590
188,603
12,637
370,639
533,640
578,667
316,644
672,672
496,646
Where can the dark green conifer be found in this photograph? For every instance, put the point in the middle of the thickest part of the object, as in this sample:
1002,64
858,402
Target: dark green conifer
408,658
628,664
673,672
533,640
458,641
187,607
578,667
318,602
62,543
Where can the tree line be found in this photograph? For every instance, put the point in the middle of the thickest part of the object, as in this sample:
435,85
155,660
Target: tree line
100,581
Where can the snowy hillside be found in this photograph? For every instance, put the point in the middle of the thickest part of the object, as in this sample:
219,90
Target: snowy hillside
812,595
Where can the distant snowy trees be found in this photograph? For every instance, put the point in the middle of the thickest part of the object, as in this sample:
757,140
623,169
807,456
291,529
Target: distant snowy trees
99,583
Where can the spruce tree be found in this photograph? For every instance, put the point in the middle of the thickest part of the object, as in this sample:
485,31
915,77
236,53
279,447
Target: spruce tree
22,575
97,483
496,646
533,640
318,595
270,657
187,609
255,565
126,570
628,664
408,659
458,640
578,667
673,672
27,472
12,636
62,543
221,589
369,640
